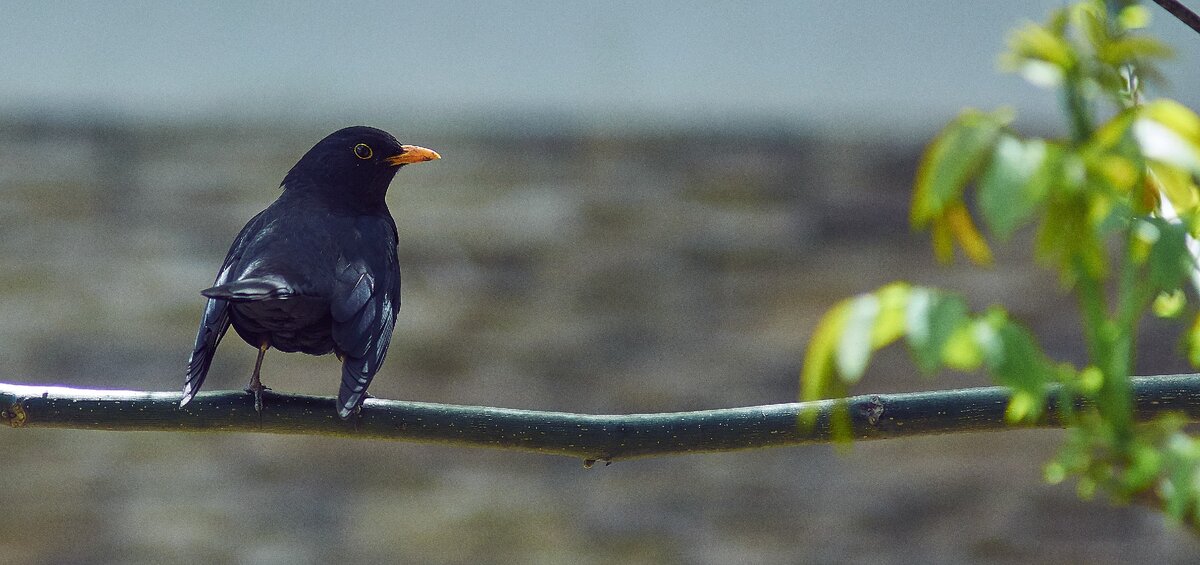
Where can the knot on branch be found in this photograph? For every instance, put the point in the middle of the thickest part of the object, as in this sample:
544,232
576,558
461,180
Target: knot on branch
872,409
15,415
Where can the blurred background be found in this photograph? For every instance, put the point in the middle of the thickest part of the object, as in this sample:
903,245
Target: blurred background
640,208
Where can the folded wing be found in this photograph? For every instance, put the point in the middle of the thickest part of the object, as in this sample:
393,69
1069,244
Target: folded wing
363,306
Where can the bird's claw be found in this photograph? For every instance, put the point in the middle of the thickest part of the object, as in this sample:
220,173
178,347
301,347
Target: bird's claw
258,397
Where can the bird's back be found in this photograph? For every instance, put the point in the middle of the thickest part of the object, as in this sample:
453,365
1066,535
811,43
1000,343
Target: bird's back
288,264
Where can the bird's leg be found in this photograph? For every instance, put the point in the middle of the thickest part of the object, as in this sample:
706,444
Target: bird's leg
256,385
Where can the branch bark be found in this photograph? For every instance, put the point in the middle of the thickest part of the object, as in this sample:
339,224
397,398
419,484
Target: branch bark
584,436
1181,12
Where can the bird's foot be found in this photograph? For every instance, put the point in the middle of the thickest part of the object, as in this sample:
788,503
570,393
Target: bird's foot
255,385
257,391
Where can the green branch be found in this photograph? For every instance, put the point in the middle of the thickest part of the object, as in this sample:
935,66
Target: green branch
587,437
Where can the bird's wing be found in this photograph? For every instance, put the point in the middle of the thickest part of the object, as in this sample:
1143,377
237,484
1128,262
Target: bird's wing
366,296
215,320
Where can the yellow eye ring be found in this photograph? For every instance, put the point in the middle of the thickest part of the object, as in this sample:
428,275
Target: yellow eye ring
363,151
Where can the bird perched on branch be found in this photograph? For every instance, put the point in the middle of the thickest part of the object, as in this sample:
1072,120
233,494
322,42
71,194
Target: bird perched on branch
316,271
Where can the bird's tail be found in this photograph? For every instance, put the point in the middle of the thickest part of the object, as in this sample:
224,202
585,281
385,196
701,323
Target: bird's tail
356,375
249,290
212,328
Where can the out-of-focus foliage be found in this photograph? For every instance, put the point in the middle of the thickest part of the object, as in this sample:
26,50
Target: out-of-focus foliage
1117,210
939,332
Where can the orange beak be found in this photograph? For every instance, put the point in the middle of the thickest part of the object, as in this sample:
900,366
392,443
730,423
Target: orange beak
412,154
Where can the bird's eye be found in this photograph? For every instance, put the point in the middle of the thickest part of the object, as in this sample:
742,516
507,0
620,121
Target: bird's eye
363,151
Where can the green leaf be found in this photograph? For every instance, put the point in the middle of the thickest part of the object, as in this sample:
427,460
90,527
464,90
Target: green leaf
1054,472
1193,343
1069,236
854,347
1181,456
932,317
1169,260
951,160
1015,183
1143,469
1112,133
1006,353
1085,489
1012,355
873,321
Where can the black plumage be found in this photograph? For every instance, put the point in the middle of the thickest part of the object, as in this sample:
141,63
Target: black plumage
316,271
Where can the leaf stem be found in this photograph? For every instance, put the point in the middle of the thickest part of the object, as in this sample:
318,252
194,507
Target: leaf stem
1077,108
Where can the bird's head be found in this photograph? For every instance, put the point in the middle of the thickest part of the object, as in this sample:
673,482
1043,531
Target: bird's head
355,163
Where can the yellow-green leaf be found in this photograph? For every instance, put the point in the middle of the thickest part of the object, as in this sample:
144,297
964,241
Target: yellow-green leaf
1118,172
1169,132
1032,41
1091,379
1132,48
959,221
1054,473
1134,16
961,351
1169,304
956,155
1162,143
890,325
1178,187
818,369
943,241
1023,405
1175,116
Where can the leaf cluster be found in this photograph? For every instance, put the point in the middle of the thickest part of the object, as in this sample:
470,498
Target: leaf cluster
1116,209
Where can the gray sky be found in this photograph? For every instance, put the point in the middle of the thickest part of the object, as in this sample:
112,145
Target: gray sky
893,64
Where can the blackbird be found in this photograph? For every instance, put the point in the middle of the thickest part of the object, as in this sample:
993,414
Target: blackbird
316,271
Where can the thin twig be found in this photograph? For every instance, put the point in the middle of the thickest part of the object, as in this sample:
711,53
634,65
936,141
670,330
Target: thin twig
587,437
1181,12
